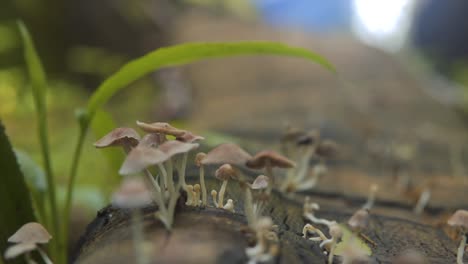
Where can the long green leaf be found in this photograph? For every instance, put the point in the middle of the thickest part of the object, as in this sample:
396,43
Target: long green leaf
39,85
15,205
187,53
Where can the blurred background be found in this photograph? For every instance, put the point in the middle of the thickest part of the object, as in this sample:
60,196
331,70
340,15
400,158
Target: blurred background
399,102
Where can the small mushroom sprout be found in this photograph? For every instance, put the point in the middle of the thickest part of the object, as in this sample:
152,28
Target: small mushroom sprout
224,173
309,213
459,220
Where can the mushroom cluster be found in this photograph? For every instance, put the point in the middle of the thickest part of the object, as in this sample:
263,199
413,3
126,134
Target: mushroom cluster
156,150
27,239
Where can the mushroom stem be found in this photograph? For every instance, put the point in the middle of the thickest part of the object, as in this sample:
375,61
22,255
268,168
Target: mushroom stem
214,193
181,170
203,186
197,188
422,201
221,194
43,256
371,198
332,251
189,191
248,208
172,204
170,172
137,230
461,249
163,176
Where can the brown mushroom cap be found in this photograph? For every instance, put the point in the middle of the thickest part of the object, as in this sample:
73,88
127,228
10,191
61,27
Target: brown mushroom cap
189,137
227,153
226,172
359,220
31,233
459,219
132,193
261,159
174,147
19,249
140,158
327,149
119,137
161,128
261,182
199,157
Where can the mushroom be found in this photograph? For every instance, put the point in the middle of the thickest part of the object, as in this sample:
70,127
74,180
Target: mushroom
133,194
459,220
189,190
162,129
26,238
260,183
268,159
359,220
198,158
229,153
224,173
229,206
310,229
336,233
308,212
122,136
142,157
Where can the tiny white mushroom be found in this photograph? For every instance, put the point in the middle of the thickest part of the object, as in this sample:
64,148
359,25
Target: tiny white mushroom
229,206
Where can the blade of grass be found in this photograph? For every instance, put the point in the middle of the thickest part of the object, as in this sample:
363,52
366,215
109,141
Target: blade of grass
39,86
169,57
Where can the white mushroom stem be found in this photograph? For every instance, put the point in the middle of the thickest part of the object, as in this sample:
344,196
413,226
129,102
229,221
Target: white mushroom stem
181,170
303,168
332,251
229,206
163,171
214,194
308,228
248,208
461,249
203,186
311,217
222,190
422,201
371,198
138,240
197,188
44,256
172,204
170,173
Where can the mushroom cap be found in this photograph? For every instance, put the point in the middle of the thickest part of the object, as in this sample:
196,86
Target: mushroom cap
227,153
150,140
31,233
189,137
174,147
459,219
132,193
226,172
359,220
335,230
327,149
160,128
199,157
119,137
140,158
261,159
196,187
19,249
261,182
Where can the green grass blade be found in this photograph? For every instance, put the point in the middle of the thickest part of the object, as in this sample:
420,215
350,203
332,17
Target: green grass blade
39,85
15,205
187,53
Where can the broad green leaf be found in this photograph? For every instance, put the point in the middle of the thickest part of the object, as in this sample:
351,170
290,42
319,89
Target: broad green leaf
33,173
15,205
102,124
187,53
